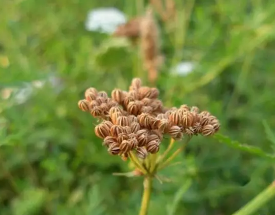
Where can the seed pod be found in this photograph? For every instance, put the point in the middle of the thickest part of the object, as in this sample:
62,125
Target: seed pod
103,129
185,107
104,107
83,105
133,108
204,120
216,124
190,131
134,142
153,137
142,140
134,94
195,109
128,99
101,100
154,93
162,116
125,146
121,137
109,140
154,123
158,133
114,149
174,131
143,92
102,94
135,127
207,130
153,147
117,95
116,130
187,120
127,130
146,109
146,101
197,127
93,104
136,83
96,111
132,118
114,117
163,125
144,120
141,152
205,113
123,121
114,110
91,94
156,105
174,118
111,103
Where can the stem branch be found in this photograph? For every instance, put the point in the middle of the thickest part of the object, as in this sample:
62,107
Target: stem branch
147,184
256,203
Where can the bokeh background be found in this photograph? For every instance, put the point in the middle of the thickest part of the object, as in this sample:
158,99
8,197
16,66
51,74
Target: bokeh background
50,160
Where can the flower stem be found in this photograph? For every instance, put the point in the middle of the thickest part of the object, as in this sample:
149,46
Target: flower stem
170,146
147,184
137,163
256,203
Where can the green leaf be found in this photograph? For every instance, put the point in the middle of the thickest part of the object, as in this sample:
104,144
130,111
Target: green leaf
243,147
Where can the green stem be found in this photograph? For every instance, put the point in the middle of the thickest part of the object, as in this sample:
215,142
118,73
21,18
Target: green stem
137,163
256,203
170,146
147,184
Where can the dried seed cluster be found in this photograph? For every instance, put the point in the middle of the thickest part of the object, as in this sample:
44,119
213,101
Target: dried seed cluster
136,119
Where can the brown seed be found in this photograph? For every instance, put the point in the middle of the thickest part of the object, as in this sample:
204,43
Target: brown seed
216,124
204,120
146,109
195,109
190,131
83,105
91,94
104,107
163,125
102,94
162,116
205,113
174,118
136,83
114,117
122,120
121,137
114,149
132,119
185,107
197,127
127,130
111,103
117,95
141,152
116,130
153,147
174,131
133,93
144,92
135,127
146,101
154,123
153,137
144,120
103,129
125,146
109,140
133,108
134,143
128,99
156,105
93,104
142,140
101,100
187,119
154,93
207,130
96,111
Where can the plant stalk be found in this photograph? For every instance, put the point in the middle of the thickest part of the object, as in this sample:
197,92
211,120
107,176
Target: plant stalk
256,203
147,187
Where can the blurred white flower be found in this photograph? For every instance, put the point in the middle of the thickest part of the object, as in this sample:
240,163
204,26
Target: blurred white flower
104,20
184,68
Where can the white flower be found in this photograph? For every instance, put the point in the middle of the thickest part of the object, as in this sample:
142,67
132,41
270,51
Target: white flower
184,68
104,20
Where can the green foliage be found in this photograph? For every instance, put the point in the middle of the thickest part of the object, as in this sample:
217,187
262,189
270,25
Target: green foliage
52,163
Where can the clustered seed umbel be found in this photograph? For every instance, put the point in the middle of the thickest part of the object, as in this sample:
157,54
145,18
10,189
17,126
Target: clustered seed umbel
136,120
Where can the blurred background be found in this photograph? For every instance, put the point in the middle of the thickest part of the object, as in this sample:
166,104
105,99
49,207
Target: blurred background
217,54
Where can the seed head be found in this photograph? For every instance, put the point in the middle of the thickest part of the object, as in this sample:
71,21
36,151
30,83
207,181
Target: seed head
83,105
153,147
175,132
133,108
125,146
117,95
91,94
102,130
114,149
109,140
96,111
116,130
207,130
141,152
175,118
145,120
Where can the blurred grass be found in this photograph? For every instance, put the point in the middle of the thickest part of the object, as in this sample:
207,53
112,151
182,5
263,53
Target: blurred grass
50,160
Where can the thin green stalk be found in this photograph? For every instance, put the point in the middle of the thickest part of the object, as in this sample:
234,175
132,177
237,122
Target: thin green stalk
137,163
256,203
165,153
172,157
147,187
